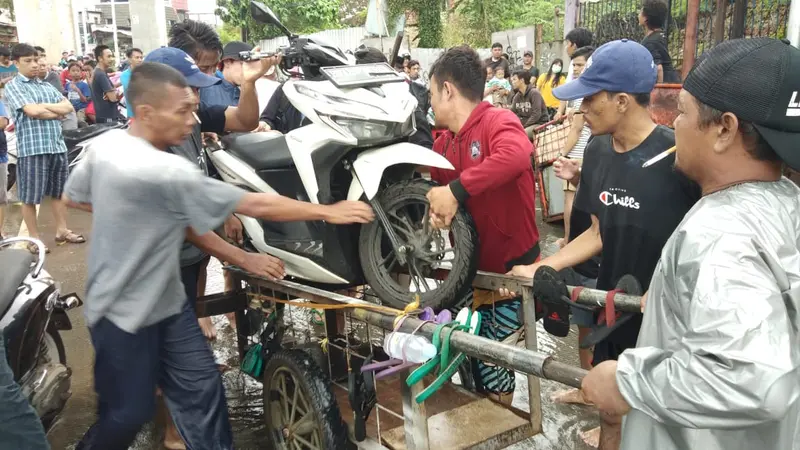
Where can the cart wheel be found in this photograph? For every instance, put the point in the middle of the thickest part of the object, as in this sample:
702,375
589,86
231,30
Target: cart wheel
299,407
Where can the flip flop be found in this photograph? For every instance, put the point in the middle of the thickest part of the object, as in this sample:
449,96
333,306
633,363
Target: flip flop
70,238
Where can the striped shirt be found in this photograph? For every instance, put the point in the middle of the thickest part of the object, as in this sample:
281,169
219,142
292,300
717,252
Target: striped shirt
583,139
34,136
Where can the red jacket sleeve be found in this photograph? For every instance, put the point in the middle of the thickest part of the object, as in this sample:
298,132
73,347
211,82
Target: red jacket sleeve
440,176
509,157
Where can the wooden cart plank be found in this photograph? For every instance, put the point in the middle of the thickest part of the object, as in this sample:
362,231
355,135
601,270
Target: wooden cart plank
470,426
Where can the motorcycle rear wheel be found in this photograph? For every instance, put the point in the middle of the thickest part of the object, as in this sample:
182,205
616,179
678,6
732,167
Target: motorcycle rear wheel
406,206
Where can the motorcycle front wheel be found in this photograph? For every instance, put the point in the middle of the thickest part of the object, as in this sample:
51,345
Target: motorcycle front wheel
427,251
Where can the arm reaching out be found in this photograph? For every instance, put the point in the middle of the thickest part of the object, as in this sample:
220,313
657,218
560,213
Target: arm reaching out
284,209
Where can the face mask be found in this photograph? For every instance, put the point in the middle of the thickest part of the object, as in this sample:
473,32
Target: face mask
556,69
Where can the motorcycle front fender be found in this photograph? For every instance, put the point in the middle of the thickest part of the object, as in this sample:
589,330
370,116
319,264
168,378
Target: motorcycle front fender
370,165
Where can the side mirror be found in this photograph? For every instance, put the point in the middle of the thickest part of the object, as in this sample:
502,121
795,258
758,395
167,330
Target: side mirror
262,14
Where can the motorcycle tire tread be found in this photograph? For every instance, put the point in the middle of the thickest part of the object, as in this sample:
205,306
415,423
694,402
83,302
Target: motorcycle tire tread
319,393
467,242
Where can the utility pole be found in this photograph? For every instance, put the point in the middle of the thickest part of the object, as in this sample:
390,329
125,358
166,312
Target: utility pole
76,25
114,30
85,31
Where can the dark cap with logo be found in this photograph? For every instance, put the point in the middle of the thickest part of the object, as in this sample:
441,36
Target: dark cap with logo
758,80
232,50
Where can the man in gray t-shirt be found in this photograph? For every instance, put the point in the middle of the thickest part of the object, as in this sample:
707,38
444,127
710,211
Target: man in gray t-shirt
144,202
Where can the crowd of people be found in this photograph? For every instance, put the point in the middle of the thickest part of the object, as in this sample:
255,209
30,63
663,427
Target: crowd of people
711,363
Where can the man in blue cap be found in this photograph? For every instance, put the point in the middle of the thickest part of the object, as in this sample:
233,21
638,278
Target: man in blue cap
634,210
217,119
718,356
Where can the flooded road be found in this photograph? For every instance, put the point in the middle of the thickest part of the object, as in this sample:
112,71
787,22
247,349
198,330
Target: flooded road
561,423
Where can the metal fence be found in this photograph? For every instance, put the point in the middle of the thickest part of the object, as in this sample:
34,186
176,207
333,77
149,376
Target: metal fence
344,38
718,20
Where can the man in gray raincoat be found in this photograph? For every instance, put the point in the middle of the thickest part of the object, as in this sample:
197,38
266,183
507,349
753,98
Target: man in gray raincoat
717,362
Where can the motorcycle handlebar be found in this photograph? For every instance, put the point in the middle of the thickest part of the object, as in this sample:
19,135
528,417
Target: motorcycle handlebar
37,269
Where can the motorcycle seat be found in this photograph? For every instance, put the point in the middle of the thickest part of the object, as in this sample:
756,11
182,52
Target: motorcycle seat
260,150
75,137
16,264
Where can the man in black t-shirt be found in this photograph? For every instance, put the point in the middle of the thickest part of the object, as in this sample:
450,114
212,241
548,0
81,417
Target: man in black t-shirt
497,60
104,94
633,210
652,17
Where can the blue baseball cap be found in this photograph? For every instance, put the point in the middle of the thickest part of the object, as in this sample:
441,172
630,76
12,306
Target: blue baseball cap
617,66
183,63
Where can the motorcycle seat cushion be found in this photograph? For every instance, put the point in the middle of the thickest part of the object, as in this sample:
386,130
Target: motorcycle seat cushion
74,137
16,264
260,150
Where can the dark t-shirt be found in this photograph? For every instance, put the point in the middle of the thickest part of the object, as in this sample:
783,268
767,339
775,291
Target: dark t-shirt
638,209
502,62
579,222
657,44
212,120
104,110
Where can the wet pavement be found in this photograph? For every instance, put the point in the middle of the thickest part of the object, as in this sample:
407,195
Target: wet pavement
67,264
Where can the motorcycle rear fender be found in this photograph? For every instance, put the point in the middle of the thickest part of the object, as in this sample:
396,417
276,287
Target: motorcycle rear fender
370,165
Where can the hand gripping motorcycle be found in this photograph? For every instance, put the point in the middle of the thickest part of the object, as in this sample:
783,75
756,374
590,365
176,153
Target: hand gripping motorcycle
355,147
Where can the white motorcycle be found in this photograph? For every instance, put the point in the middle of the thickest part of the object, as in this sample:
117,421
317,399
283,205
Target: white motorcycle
354,148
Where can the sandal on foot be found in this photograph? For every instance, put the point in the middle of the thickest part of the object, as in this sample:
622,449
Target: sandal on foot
70,238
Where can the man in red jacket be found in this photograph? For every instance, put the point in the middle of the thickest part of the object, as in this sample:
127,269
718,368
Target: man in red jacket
493,180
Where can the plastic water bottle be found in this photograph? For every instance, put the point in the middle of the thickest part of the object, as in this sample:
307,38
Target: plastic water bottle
418,349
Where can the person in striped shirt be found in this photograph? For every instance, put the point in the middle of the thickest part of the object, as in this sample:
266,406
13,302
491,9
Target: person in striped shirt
578,137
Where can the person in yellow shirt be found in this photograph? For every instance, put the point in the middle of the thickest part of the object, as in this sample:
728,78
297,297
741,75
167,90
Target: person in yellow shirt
547,82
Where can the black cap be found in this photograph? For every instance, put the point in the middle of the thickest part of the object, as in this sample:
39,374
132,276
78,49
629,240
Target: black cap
757,80
528,53
232,49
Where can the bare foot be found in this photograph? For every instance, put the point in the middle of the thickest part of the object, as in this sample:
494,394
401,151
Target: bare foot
573,396
232,320
208,328
591,437
172,440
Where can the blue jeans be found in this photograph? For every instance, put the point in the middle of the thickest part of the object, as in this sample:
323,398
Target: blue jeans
172,354
20,427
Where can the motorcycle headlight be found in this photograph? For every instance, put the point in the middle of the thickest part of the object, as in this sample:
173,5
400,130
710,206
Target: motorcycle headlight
372,132
340,101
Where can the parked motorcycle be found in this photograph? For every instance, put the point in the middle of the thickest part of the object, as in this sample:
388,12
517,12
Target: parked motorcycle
354,148
33,312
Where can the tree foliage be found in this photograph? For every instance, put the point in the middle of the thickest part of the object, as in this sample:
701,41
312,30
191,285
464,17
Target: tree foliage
353,13
229,32
478,19
429,19
299,16
9,5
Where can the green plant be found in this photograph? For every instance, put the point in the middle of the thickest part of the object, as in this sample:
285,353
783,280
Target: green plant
305,16
474,21
229,32
429,18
